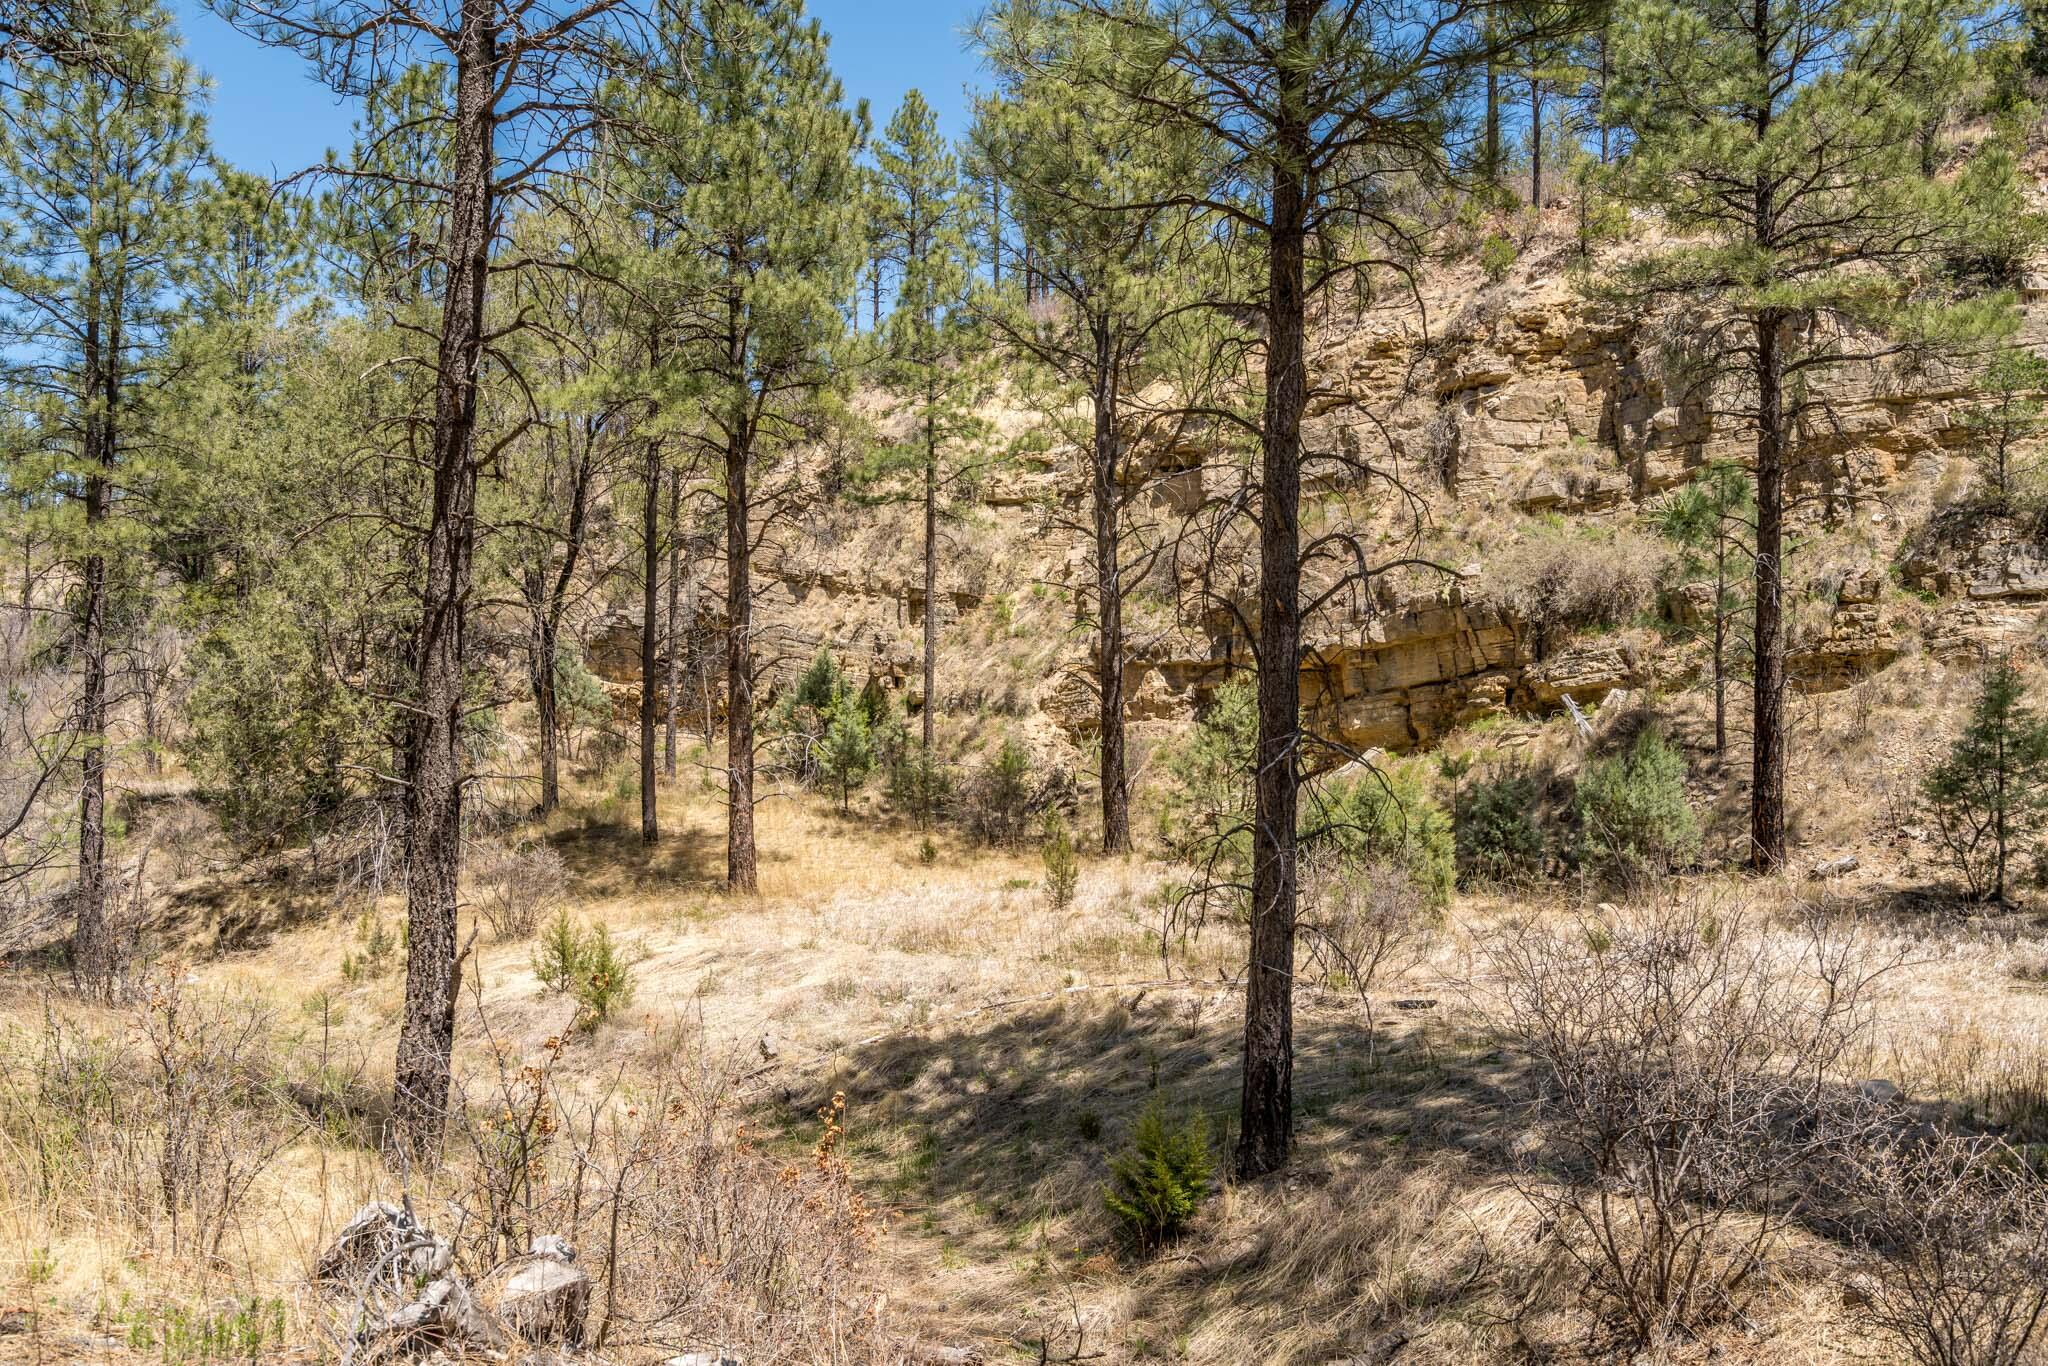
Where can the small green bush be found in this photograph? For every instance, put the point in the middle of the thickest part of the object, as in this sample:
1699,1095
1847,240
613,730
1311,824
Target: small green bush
846,755
1161,1178
1497,257
919,782
585,965
1062,868
1632,811
994,800
1389,817
1494,822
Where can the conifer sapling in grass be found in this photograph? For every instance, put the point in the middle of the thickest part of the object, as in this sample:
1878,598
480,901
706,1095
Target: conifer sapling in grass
1989,798
1161,1179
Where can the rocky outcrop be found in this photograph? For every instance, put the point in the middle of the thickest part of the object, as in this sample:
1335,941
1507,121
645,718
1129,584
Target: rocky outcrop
1493,404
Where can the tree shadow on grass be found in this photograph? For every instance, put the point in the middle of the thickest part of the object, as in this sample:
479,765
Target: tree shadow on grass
992,1138
611,860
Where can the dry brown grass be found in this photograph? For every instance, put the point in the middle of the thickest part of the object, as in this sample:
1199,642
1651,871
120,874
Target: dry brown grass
993,1053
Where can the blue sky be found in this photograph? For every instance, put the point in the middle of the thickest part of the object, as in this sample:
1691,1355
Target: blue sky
270,117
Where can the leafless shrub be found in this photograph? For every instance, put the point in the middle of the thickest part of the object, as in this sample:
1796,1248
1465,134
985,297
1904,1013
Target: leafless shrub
1555,579
169,1127
695,1235
1958,1232
1363,923
516,888
365,853
1690,1099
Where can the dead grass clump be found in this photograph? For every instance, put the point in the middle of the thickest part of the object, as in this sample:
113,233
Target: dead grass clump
1690,1099
1554,579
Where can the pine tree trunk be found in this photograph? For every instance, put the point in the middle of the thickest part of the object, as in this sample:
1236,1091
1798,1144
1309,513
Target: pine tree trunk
426,1039
92,942
931,582
650,590
675,622
1266,1117
1109,602
92,938
1536,144
1720,641
1491,152
542,677
741,865
1767,738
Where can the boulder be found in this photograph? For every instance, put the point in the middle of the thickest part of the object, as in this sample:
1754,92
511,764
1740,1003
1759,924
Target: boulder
384,1243
546,1299
445,1315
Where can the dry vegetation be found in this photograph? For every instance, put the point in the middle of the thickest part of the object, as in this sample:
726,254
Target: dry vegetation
868,1116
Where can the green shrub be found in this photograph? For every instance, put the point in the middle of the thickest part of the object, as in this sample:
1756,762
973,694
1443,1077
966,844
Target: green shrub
1497,257
1989,797
1062,868
1389,817
559,954
1632,811
919,782
993,802
1161,1178
1494,821
585,965
846,755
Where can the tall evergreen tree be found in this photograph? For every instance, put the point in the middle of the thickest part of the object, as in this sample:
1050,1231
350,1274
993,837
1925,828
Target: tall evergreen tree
768,240
1125,280
1777,139
922,218
101,183
1315,109
518,104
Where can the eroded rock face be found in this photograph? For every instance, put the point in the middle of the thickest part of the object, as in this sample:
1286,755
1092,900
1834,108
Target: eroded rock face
1522,400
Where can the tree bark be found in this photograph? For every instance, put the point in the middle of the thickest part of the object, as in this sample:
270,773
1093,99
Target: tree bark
92,941
742,872
931,581
1767,732
1266,1118
675,621
650,589
1109,602
541,676
1720,633
426,1039
1491,151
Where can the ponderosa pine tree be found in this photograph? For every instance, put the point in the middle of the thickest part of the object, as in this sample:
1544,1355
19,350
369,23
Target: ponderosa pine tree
519,105
101,182
1315,109
1125,281
922,215
746,123
558,473
1989,797
1712,519
1777,138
